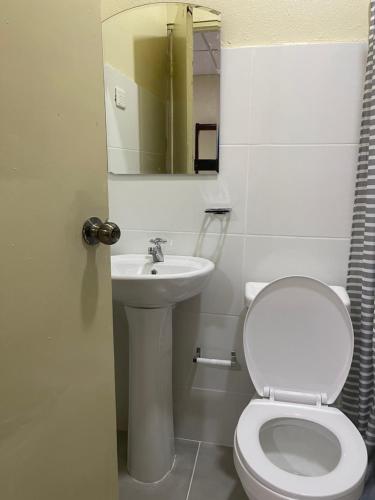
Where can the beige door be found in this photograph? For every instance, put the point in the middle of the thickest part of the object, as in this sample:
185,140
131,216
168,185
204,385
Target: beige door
182,84
57,410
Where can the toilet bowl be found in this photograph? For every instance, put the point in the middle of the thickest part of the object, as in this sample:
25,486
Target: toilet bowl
289,443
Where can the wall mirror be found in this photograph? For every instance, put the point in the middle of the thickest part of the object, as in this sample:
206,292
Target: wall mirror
162,89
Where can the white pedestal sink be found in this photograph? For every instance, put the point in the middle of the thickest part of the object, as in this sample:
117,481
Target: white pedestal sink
149,291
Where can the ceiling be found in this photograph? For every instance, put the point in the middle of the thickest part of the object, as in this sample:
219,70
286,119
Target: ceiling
206,52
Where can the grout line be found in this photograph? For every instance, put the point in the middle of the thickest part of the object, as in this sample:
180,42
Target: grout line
212,443
249,123
187,439
246,235
192,474
246,218
255,145
290,145
247,179
239,315
223,391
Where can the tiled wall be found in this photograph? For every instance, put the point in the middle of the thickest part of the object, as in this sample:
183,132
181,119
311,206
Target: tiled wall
289,135
130,150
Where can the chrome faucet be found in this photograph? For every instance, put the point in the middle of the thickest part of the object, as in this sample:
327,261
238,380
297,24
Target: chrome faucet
156,251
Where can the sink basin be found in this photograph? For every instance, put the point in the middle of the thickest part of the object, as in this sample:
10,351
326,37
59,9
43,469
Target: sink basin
138,282
148,292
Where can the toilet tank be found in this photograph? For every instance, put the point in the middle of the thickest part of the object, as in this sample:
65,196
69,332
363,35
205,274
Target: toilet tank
252,288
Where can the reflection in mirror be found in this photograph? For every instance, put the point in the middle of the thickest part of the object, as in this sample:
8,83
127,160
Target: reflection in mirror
162,87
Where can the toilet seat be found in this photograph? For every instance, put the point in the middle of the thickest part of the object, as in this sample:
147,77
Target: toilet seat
347,474
298,343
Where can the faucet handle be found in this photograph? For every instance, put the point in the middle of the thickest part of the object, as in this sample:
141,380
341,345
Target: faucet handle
157,241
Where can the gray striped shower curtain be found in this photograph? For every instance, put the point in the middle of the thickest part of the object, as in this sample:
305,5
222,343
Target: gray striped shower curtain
358,397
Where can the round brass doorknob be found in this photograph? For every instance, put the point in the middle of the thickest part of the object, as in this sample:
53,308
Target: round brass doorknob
95,231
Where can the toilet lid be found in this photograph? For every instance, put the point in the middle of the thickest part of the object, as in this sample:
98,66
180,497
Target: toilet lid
298,337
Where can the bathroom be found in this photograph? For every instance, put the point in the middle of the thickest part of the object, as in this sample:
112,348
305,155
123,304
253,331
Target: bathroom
274,200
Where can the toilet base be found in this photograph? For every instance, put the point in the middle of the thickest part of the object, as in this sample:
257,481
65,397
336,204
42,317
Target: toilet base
257,491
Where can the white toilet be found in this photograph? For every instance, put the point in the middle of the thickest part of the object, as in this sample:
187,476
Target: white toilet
289,443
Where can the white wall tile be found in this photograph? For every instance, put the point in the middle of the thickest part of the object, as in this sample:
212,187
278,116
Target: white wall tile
122,124
122,160
291,192
167,203
301,190
224,292
307,94
206,415
132,147
235,87
268,258
217,336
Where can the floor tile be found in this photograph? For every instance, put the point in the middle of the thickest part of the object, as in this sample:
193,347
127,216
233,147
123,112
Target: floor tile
174,487
215,476
208,415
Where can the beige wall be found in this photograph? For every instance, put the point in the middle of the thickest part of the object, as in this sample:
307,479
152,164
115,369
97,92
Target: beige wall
136,44
258,22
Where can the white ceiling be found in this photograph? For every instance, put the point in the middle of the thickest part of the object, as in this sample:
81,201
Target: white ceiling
206,52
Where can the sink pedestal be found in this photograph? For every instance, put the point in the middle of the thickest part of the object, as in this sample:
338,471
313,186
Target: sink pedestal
150,432
148,290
